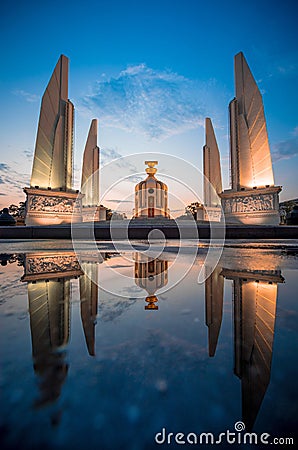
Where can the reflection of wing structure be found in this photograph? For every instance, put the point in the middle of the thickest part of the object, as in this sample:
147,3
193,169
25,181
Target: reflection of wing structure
48,278
255,295
151,275
49,323
89,299
214,289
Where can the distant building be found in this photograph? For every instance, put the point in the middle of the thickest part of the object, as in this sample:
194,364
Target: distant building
151,196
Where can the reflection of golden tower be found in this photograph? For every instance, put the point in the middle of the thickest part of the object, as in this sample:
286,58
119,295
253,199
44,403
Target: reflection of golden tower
89,299
214,289
151,196
151,275
255,295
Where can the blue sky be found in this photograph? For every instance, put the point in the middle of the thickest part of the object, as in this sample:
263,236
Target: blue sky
150,71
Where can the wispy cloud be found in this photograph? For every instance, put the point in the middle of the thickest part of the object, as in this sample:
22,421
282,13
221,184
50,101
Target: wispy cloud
108,155
276,66
12,181
4,167
286,149
156,103
31,98
28,152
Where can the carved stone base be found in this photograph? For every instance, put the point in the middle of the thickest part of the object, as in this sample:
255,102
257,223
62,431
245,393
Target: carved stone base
51,207
46,265
94,213
252,206
209,213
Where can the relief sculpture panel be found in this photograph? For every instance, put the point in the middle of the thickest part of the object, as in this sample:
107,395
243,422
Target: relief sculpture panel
261,202
51,264
52,204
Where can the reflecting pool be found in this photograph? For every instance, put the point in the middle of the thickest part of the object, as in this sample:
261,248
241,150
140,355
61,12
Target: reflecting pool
105,350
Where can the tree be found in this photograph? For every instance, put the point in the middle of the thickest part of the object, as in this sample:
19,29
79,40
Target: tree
192,208
17,211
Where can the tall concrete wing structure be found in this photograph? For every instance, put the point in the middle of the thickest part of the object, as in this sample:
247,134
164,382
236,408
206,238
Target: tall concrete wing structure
91,210
253,198
90,175
212,176
251,163
212,171
52,164
50,199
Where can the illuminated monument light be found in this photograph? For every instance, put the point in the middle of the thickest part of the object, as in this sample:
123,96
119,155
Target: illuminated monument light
151,196
50,198
253,198
211,211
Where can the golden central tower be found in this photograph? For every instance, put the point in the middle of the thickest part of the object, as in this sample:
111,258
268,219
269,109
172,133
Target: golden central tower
151,196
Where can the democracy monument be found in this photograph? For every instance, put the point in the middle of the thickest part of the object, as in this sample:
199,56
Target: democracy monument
50,198
251,200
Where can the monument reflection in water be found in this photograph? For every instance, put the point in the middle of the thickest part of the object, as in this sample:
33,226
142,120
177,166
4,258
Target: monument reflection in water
151,275
48,279
50,290
254,300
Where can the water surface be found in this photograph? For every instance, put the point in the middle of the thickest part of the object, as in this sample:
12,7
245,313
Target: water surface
105,350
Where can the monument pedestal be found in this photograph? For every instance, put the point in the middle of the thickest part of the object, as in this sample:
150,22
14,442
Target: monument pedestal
51,207
209,213
258,206
46,266
94,213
